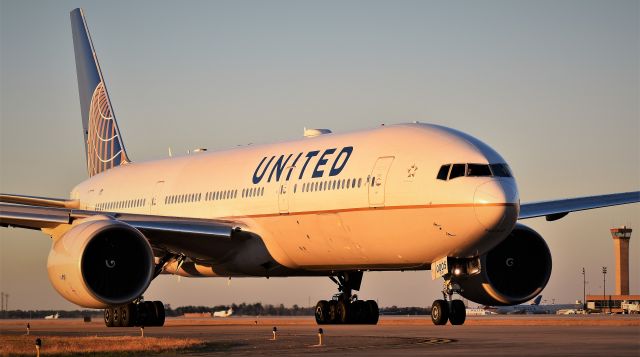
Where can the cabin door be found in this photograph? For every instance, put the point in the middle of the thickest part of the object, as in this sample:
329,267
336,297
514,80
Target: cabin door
156,197
283,198
378,180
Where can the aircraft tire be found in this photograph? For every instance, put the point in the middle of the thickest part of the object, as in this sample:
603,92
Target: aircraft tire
159,313
439,312
373,313
359,310
148,315
108,317
333,313
322,312
116,316
125,313
342,312
458,312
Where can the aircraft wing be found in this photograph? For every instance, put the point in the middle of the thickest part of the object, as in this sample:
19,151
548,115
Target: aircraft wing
196,238
39,201
556,209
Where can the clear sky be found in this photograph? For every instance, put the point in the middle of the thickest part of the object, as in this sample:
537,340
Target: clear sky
554,86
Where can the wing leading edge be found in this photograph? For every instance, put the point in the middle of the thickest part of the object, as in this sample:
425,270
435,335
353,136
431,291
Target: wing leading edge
556,209
201,238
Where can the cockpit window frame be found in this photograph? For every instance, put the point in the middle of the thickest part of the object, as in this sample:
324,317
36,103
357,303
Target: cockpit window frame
456,167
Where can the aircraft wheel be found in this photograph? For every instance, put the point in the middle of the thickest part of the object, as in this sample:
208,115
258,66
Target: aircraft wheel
458,312
342,312
148,317
125,313
116,316
108,317
359,310
322,312
159,313
439,312
333,312
374,312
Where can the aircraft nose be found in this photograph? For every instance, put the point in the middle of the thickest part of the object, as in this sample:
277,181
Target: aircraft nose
496,205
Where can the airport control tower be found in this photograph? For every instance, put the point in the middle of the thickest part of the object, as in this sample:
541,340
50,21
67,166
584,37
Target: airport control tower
621,237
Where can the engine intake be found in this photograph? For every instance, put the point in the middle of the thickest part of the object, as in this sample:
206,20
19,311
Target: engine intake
513,272
100,263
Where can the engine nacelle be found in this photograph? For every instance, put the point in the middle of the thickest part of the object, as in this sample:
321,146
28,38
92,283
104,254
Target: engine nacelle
513,272
101,262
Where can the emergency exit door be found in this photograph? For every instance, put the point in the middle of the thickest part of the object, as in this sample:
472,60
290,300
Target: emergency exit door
378,181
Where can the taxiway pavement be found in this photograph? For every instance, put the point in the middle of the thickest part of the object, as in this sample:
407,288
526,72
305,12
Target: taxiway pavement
525,335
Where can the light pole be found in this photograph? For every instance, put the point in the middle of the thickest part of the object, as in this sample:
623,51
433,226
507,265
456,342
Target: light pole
604,284
584,290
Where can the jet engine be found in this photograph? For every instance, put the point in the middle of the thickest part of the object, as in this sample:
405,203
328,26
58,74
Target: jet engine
101,262
513,272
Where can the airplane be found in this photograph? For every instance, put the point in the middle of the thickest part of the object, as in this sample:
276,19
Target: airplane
478,312
397,197
517,309
223,313
52,317
534,308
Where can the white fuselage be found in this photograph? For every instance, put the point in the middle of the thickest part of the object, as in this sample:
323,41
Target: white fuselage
368,199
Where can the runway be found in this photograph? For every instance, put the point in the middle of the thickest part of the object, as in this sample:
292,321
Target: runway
530,335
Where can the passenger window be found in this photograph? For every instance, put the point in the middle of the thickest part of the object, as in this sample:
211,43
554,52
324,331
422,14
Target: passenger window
478,170
457,170
444,171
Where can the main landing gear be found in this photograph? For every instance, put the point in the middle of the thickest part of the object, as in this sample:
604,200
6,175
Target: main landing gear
137,313
448,309
345,308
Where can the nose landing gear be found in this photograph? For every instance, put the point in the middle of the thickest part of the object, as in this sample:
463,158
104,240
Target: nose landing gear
344,307
448,309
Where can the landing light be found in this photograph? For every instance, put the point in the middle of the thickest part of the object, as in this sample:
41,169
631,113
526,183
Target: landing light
457,271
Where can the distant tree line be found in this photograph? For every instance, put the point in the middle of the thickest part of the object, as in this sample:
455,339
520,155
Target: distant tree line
40,314
243,309
256,309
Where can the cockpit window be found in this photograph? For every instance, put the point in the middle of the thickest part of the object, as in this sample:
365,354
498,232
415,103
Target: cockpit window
473,170
444,171
478,170
457,170
501,170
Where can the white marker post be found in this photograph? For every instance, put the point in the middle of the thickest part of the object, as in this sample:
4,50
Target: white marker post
275,332
141,331
28,329
320,333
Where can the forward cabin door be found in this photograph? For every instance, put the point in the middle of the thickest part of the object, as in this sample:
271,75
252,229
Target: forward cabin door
378,181
156,196
283,198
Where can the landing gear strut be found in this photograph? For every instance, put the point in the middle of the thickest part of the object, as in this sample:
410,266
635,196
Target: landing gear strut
137,313
344,307
448,309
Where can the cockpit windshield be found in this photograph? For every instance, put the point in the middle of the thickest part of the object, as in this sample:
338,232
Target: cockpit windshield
451,171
